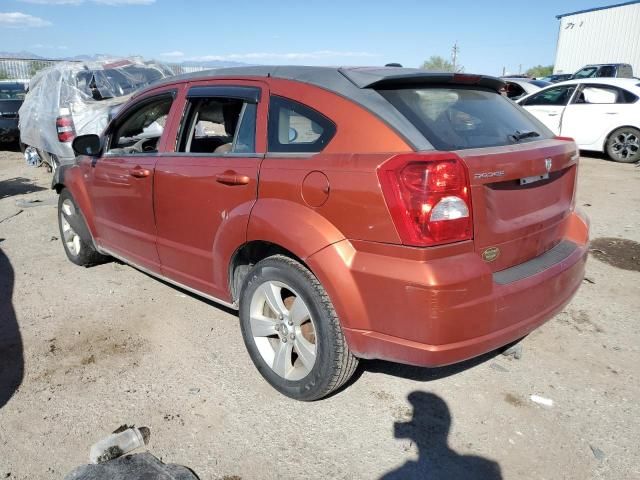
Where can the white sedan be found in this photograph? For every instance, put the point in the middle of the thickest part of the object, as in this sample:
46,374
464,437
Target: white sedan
600,114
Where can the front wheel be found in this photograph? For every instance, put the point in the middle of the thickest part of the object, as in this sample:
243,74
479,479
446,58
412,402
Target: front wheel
75,236
292,332
623,145
32,156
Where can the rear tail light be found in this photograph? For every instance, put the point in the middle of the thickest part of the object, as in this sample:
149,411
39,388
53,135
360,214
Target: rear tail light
66,129
428,197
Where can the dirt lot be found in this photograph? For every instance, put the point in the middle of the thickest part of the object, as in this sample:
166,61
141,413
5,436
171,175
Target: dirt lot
83,351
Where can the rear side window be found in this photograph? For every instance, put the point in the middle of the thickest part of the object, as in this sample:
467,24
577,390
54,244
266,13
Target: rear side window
218,126
601,94
294,127
459,118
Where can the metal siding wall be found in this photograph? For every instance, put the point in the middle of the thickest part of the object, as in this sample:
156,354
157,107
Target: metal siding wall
603,36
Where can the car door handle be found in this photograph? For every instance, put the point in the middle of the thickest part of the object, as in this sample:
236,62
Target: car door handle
232,178
611,113
552,114
139,172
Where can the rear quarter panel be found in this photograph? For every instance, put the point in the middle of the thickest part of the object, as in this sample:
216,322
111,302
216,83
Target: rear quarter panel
354,207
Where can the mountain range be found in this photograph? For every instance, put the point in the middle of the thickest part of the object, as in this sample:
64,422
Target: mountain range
102,56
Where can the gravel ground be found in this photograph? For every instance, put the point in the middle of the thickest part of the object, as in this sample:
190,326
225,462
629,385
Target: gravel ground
95,348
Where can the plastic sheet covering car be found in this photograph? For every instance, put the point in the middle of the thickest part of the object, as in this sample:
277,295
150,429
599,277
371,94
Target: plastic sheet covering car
77,98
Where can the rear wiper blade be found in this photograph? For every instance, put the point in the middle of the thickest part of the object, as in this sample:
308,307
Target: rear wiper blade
518,135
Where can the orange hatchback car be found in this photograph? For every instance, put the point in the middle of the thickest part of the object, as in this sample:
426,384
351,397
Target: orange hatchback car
347,213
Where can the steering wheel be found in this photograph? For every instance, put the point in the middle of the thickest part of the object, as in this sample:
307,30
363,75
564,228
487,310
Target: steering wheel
144,145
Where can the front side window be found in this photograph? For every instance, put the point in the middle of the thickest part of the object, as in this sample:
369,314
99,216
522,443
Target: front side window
454,118
140,130
557,96
218,126
294,127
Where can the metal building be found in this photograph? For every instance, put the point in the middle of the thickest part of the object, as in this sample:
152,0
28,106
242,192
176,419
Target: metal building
599,35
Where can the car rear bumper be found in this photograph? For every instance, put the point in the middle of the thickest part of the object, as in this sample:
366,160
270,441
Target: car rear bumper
9,130
449,308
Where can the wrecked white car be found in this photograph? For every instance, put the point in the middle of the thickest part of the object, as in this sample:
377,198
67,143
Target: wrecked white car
76,98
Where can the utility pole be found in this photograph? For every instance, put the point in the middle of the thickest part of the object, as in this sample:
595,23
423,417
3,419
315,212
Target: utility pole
454,56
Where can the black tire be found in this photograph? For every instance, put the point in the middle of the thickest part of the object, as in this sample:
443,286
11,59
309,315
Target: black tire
623,145
87,254
334,363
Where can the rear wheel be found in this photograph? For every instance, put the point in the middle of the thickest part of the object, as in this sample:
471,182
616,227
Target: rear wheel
75,236
623,145
292,332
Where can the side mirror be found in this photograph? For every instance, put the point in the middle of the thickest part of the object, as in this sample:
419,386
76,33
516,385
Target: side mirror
87,145
293,134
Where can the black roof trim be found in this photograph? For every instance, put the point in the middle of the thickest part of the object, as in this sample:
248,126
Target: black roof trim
354,84
597,8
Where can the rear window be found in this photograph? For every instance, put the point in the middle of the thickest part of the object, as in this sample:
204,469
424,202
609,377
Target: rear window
459,118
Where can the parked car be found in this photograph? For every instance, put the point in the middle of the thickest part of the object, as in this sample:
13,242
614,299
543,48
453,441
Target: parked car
347,213
555,78
516,88
73,98
619,70
600,114
12,94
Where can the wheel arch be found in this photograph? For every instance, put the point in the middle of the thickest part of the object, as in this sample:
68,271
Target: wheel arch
307,233
71,179
247,255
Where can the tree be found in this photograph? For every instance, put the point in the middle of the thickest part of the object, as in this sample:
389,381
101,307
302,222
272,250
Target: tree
540,71
438,64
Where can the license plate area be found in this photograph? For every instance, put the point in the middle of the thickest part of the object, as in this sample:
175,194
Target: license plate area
533,179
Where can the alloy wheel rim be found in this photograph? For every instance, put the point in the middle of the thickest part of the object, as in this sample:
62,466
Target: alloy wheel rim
283,330
69,235
32,157
625,145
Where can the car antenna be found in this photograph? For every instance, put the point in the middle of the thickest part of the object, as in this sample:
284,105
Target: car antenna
394,64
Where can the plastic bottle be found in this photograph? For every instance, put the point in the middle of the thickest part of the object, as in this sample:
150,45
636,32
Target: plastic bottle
118,444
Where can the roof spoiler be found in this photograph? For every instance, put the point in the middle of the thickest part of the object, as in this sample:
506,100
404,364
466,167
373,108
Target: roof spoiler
405,77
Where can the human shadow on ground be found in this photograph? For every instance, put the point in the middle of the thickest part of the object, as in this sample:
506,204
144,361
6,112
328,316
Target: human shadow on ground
11,355
429,430
18,186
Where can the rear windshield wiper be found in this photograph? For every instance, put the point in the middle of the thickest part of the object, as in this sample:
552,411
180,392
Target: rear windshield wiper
518,135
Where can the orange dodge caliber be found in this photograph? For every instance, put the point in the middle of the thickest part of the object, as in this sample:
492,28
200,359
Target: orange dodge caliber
347,213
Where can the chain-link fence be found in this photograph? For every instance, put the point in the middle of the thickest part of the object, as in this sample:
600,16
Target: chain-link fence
178,69
22,68
26,68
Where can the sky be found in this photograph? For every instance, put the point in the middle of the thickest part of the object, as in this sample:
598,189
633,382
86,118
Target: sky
491,35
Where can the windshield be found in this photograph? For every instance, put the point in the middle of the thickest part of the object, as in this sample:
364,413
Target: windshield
12,91
115,82
586,72
142,76
461,117
540,83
